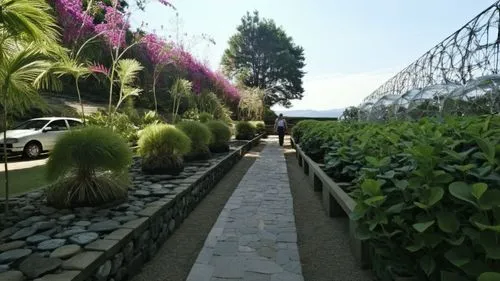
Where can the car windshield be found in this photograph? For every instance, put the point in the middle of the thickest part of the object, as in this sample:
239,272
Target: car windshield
32,124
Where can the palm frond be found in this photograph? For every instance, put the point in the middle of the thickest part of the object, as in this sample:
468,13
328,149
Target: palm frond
18,74
182,87
127,71
30,17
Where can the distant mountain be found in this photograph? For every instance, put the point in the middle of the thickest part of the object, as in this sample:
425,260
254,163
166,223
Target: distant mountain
312,113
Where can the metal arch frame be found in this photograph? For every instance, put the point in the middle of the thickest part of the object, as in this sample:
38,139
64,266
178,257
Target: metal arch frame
470,52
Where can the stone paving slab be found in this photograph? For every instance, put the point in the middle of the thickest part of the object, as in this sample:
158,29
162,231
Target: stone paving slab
254,238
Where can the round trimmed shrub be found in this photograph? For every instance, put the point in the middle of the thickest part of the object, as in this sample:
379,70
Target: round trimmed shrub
88,167
162,147
261,129
200,137
205,117
221,134
245,130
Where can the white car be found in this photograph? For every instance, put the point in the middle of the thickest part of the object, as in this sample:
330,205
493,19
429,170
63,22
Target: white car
35,136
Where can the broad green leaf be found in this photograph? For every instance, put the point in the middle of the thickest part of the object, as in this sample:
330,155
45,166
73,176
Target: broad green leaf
385,161
419,244
375,201
478,189
443,179
371,187
363,233
427,264
489,276
423,226
462,191
489,241
401,184
487,148
459,256
448,222
495,228
395,209
358,212
372,161
455,242
435,195
490,199
465,168
421,205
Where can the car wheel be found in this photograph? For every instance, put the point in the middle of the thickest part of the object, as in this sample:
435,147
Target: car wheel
32,150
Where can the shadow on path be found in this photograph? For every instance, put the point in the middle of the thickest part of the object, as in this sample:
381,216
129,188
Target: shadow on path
176,257
323,241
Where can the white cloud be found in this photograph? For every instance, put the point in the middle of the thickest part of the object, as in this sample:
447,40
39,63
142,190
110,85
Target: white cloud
339,90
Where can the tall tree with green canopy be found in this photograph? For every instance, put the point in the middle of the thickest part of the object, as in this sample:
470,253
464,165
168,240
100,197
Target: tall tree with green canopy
262,55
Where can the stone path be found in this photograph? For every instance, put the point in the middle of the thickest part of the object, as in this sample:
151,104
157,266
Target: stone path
254,238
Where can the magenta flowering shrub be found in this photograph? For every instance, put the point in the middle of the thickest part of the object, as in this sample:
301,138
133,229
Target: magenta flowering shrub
114,28
75,22
79,24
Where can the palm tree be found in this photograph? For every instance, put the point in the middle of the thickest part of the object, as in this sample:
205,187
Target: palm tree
181,88
27,31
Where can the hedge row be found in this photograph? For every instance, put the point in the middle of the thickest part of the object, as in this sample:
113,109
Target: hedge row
427,192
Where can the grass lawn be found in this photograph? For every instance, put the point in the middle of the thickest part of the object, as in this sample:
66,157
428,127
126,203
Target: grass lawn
24,180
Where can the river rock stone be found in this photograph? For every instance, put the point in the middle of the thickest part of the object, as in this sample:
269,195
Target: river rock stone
34,195
23,233
84,238
104,226
51,244
142,193
12,276
66,251
67,217
8,232
35,239
104,270
14,255
45,210
82,223
68,233
124,219
35,266
44,225
12,245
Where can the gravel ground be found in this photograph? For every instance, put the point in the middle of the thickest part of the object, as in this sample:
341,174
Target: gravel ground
175,258
323,241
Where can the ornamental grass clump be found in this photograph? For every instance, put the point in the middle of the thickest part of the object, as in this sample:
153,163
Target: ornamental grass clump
245,130
200,137
162,148
221,134
88,167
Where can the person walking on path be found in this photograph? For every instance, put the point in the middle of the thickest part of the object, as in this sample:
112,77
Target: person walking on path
280,127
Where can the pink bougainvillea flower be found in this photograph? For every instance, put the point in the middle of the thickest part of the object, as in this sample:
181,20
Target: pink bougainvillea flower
76,22
114,28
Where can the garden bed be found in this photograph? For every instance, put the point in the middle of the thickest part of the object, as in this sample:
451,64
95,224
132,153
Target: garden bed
106,243
336,201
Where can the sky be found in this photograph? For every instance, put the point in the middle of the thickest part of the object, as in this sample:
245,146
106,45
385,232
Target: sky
351,47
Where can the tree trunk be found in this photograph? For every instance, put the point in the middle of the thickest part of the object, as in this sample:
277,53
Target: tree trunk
5,154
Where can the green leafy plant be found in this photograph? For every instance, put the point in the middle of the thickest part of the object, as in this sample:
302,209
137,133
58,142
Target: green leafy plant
180,89
260,128
200,137
121,124
427,192
221,134
205,117
162,148
88,167
245,130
